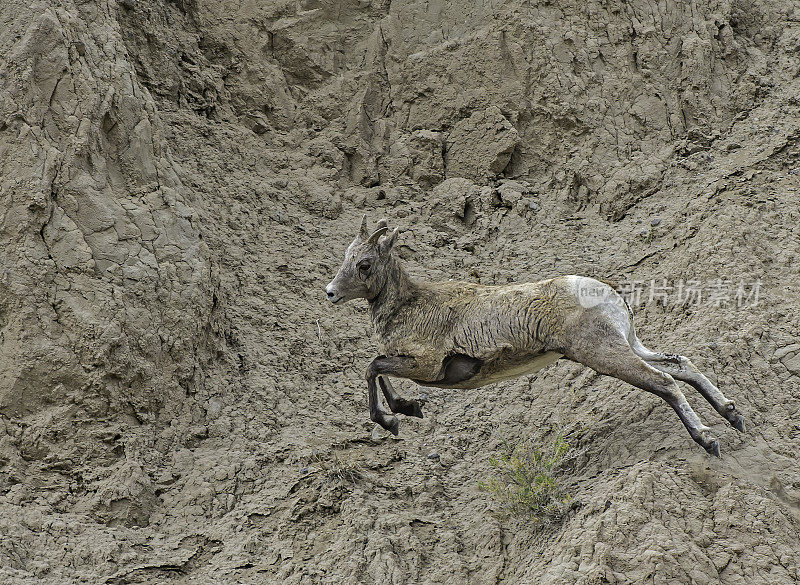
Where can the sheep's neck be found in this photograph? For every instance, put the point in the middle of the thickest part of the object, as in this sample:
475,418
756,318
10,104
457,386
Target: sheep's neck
398,290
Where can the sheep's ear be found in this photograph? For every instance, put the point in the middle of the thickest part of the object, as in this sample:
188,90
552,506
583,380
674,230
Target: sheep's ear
362,233
373,239
387,243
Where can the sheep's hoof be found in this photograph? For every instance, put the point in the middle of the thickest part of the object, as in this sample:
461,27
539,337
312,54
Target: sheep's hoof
707,441
414,409
738,424
408,408
392,425
713,448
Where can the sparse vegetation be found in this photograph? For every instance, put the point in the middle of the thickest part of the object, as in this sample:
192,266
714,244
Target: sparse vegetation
336,468
526,483
648,235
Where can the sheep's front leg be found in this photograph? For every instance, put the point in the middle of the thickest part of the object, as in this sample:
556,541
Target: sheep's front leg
400,367
396,402
376,413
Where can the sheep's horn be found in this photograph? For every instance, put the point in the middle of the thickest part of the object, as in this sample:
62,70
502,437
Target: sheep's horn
363,231
377,234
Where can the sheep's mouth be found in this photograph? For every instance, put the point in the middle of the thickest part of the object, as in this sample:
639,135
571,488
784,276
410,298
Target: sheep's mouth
337,301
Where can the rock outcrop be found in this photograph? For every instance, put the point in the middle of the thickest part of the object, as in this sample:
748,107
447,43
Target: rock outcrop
179,180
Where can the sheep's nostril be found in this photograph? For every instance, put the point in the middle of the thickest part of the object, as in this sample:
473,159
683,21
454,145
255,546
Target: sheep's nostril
329,293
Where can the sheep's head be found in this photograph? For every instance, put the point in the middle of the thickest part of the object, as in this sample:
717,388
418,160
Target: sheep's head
366,265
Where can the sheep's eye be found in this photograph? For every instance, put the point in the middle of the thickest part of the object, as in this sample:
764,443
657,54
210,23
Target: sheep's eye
363,267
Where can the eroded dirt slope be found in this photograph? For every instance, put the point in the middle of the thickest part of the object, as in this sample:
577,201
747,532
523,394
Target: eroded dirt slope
179,180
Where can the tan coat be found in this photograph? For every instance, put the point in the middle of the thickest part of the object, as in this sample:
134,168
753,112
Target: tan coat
513,329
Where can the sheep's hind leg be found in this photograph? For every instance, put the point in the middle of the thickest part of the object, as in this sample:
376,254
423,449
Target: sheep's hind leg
396,402
617,359
682,368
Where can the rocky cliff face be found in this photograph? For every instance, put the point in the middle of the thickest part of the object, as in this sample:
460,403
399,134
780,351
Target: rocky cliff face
178,182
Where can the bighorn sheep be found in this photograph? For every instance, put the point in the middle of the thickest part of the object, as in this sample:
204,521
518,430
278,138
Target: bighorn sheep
464,335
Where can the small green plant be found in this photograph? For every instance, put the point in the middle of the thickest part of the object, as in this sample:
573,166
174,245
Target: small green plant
525,483
648,236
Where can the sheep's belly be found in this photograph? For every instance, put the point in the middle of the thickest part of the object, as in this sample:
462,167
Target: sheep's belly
500,370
